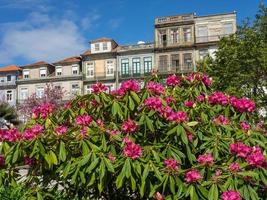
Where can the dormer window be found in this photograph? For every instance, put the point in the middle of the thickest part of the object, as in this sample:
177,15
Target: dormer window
75,70
42,72
58,71
105,46
26,74
97,47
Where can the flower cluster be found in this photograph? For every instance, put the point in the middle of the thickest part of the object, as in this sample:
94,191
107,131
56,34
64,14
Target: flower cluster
129,85
170,99
189,104
11,135
244,126
234,167
207,81
231,195
200,98
132,150
129,126
192,176
61,130
99,87
221,120
153,103
43,110
178,117
240,149
171,164
33,132
205,159
218,98
243,104
155,88
173,80
84,120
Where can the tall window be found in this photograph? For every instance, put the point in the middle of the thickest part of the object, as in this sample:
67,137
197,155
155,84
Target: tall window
125,66
163,63
228,28
97,47
203,53
174,36
187,34
26,74
58,71
109,68
42,72
75,69
40,92
188,64
175,62
136,66
8,78
202,34
24,93
147,64
75,89
90,68
9,97
162,37
88,89
105,46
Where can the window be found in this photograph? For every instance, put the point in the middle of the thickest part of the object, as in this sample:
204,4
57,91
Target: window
175,61
125,66
75,89
174,36
187,34
163,63
58,87
202,34
26,74
228,28
90,68
162,37
110,67
105,46
58,71
42,72
40,92
188,61
203,53
136,66
97,47
8,78
9,95
88,89
147,64
110,87
24,93
75,70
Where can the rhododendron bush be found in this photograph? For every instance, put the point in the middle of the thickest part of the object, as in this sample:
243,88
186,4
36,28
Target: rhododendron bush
172,140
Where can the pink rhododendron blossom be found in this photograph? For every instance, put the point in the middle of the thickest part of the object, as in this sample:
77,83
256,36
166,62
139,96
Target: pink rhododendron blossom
33,132
99,87
170,99
190,136
221,120
171,164
189,104
218,172
240,149
173,80
100,122
155,88
244,126
61,130
113,132
43,110
2,160
206,80
93,103
178,117
111,157
129,85
84,120
256,157
67,105
159,196
192,176
205,159
127,140
129,126
83,131
29,161
218,98
153,103
11,135
200,98
231,195
234,167
243,104
132,150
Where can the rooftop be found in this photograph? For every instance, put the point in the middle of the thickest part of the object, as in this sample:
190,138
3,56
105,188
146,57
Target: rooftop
73,59
10,68
36,64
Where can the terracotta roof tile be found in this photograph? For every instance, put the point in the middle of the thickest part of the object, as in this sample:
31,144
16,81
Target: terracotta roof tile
36,64
103,39
9,68
72,59
87,52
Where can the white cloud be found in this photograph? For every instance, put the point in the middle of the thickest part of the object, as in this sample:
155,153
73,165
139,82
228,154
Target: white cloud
89,21
40,37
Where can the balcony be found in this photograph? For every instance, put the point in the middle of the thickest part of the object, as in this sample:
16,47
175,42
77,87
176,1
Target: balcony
210,38
145,46
168,69
181,42
99,76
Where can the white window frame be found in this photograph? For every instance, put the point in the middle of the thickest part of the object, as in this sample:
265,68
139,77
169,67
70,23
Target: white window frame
39,91
75,91
9,95
43,75
24,93
88,89
97,47
110,67
59,71
105,46
26,74
147,64
75,68
90,69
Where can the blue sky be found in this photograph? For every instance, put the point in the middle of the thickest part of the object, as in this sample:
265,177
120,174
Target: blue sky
33,30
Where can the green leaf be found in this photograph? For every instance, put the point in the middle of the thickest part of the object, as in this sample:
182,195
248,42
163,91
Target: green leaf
92,165
135,97
62,151
193,123
131,103
213,192
149,123
109,165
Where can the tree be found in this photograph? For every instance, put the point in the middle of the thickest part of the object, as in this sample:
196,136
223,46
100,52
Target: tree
240,64
8,116
184,141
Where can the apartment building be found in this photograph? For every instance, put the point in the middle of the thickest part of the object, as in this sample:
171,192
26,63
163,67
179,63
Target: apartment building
99,64
8,76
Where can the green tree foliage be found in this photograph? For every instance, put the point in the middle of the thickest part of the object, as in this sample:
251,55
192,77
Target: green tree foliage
240,65
8,115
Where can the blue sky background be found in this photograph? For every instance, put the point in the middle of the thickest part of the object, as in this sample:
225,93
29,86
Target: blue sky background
33,30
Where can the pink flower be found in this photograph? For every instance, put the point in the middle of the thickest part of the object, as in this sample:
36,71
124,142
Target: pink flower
100,122
205,159
221,120
240,149
132,150
256,157
33,132
113,132
93,103
189,104
67,105
178,117
155,88
170,100
243,104
129,126
206,80
218,98
129,85
200,98
190,136
192,176
99,87
84,120
171,164
11,135
218,172
2,160
61,130
173,80
244,126
231,195
83,131
111,157
234,167
159,196
153,103
43,110
29,161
